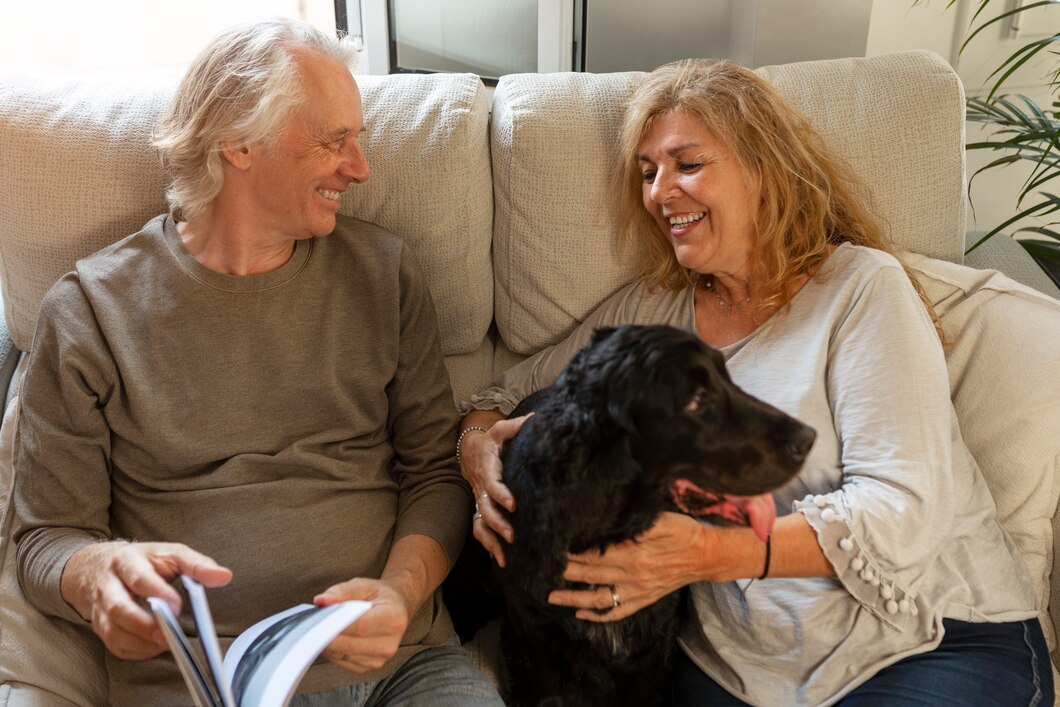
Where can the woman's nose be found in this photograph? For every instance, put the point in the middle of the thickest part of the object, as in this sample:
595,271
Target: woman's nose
662,187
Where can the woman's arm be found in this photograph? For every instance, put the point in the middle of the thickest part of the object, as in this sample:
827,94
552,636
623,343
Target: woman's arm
680,550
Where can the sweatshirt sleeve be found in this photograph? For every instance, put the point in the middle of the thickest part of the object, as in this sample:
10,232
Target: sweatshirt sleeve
433,499
889,390
62,480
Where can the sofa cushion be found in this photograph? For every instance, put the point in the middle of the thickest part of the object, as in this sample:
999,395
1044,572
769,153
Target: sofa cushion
77,172
897,119
555,256
427,141
1004,384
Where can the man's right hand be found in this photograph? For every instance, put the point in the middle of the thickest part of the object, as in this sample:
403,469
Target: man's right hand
106,582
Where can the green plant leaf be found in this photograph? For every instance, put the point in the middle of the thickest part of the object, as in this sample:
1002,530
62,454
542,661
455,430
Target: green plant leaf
1029,52
1043,249
1042,208
1019,129
998,18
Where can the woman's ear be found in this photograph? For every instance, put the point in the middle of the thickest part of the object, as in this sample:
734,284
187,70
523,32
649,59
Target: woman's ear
238,155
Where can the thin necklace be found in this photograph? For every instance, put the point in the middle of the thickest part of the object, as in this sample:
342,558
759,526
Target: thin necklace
710,286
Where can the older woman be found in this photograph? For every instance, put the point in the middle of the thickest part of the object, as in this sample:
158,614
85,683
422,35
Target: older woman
888,577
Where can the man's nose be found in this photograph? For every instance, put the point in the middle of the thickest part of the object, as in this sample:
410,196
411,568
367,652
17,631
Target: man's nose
355,167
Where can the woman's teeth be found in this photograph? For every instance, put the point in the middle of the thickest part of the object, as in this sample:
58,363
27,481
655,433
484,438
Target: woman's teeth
328,194
686,218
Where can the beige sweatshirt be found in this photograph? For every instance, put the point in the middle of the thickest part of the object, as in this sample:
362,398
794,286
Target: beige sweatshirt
291,425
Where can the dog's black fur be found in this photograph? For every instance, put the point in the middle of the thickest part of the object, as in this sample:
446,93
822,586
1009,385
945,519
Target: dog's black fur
637,409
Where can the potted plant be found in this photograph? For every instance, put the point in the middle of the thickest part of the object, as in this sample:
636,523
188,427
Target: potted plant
1022,131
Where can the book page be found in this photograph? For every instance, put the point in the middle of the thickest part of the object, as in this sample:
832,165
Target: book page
200,611
268,660
182,654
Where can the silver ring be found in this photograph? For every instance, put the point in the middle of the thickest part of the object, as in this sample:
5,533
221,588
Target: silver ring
475,517
615,601
484,497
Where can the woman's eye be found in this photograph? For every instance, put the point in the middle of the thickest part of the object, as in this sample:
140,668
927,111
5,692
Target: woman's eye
648,176
689,166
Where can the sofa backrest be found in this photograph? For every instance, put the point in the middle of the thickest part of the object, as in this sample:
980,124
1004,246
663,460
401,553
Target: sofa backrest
77,172
898,120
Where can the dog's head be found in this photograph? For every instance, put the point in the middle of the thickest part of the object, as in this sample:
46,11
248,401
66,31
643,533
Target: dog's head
669,397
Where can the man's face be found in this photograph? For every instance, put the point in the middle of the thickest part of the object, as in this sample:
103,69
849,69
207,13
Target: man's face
299,180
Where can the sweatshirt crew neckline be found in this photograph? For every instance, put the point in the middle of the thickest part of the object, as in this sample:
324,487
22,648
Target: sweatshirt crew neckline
234,283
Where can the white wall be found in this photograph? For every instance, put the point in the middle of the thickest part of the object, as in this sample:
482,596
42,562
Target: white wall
75,35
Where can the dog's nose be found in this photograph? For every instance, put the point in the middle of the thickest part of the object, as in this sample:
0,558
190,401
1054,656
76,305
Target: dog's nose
800,446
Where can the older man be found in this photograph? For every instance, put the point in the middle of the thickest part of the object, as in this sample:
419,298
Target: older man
256,378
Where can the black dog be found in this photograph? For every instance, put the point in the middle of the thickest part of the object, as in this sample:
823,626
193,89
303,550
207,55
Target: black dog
644,419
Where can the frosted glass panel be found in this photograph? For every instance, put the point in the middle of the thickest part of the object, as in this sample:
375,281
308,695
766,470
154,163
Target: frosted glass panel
485,37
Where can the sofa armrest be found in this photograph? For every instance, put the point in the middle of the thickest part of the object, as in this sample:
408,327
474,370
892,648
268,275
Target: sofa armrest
9,358
1006,255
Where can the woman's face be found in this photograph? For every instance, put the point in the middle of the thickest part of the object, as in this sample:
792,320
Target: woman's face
699,194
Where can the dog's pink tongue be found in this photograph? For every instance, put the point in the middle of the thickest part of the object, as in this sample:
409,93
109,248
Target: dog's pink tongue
761,512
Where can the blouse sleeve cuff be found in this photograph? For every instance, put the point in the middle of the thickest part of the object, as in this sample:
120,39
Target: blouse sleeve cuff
489,399
879,592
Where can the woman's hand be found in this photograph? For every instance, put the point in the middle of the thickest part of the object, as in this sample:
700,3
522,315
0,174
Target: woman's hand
480,464
636,573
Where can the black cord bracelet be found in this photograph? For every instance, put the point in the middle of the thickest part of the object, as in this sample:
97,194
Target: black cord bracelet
769,549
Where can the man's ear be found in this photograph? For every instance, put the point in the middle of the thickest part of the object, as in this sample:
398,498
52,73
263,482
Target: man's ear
238,155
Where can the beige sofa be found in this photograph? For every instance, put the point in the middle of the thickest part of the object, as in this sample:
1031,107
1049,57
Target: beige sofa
508,211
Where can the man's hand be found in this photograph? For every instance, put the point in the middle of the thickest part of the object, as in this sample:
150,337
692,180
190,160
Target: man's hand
105,582
416,566
370,641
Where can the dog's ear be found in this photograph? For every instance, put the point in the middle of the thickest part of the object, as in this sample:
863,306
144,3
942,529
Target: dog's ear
621,415
601,333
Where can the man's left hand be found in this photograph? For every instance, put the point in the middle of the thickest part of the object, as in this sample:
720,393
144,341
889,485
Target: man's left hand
370,641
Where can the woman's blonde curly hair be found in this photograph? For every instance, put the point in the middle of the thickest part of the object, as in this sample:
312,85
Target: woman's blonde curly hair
810,199
241,89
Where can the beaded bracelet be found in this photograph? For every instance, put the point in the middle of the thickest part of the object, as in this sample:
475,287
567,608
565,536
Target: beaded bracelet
460,439
769,548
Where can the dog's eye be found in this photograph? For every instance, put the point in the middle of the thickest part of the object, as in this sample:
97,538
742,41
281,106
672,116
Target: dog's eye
697,402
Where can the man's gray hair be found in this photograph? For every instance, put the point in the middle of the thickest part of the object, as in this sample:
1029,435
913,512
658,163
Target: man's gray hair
241,88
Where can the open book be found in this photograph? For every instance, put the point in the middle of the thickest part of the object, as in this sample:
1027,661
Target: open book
265,663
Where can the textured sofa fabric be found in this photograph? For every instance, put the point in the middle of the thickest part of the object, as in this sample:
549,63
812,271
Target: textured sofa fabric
1004,339
509,214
